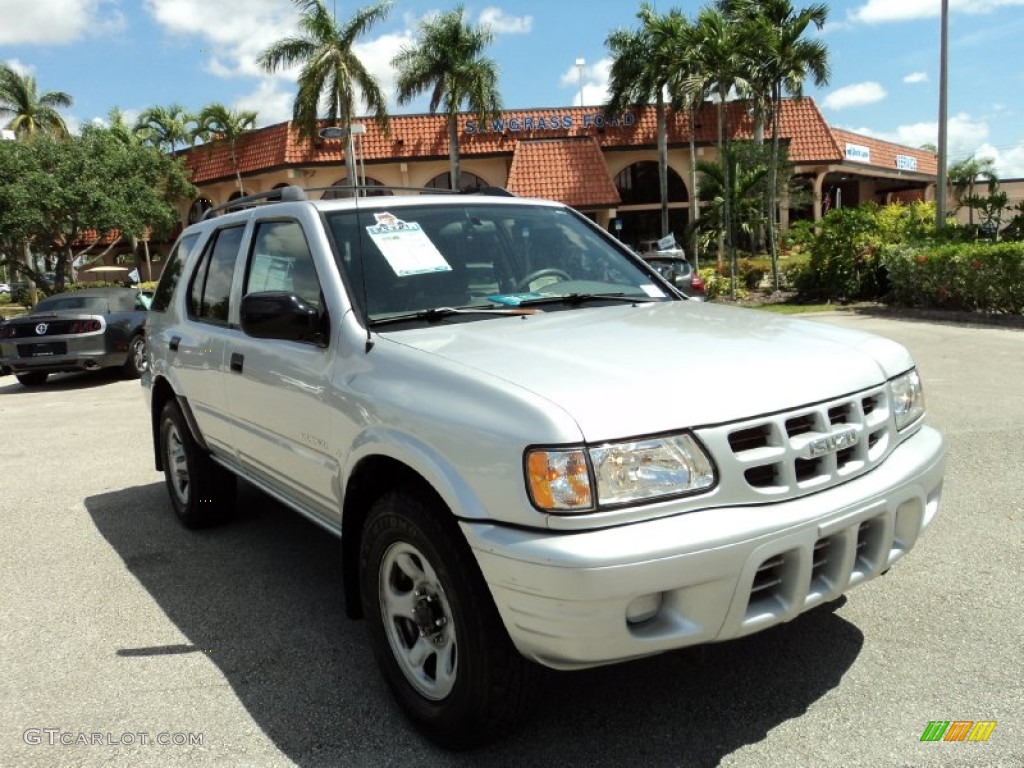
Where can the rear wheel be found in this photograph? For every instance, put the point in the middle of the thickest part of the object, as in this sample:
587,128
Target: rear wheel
136,363
435,632
202,492
34,379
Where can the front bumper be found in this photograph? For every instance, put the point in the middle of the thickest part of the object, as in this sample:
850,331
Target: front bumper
716,574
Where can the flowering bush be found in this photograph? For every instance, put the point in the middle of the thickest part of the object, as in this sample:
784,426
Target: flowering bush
988,277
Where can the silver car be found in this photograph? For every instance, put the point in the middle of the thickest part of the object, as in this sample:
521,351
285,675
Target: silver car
462,388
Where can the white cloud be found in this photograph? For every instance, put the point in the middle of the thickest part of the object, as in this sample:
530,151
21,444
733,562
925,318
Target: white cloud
21,69
503,24
595,82
233,34
857,95
270,103
1009,162
916,77
965,136
56,22
880,11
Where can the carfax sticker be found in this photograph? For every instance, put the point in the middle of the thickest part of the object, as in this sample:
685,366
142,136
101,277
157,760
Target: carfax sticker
405,246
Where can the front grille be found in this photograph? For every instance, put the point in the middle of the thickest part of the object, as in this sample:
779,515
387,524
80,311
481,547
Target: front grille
805,449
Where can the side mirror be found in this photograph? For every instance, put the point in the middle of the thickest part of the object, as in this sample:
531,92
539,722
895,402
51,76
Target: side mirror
279,315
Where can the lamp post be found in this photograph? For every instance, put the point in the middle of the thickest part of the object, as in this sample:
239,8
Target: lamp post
940,192
580,64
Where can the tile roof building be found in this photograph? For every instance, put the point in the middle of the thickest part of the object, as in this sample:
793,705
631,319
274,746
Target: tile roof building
601,166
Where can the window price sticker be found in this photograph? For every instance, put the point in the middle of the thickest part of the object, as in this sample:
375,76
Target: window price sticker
405,246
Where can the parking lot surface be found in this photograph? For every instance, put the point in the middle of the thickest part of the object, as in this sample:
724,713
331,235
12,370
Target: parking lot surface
126,640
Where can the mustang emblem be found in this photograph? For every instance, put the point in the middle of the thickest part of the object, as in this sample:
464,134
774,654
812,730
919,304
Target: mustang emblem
41,329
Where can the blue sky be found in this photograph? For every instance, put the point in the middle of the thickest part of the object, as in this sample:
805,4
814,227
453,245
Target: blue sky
884,57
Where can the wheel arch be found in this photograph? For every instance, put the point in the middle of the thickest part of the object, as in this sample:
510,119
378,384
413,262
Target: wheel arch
371,477
163,393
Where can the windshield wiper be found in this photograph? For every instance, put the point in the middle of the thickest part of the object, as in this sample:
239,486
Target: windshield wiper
440,313
575,299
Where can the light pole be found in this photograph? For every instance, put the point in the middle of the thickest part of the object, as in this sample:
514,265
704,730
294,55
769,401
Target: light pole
940,192
580,64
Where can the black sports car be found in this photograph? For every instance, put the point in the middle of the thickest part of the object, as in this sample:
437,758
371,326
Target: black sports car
78,331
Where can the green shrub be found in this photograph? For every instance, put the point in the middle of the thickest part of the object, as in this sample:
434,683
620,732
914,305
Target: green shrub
843,263
987,277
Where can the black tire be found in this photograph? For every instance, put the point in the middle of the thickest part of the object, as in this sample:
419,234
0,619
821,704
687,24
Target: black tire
34,379
472,685
202,492
137,362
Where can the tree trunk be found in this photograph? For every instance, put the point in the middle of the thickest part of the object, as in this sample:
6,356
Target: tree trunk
730,251
453,151
695,201
773,184
663,162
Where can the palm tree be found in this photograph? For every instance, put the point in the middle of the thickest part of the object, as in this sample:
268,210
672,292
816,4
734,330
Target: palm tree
717,58
166,128
30,111
746,173
786,58
217,122
965,174
331,72
644,62
448,62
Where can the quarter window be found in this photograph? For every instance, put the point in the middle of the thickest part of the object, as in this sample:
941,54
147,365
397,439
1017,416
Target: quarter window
210,294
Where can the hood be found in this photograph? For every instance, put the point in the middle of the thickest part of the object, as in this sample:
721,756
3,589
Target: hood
631,370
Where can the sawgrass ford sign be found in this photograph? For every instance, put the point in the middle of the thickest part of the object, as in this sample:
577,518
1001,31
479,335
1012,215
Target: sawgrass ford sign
555,122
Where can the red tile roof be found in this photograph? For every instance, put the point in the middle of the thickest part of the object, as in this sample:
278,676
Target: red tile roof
810,139
570,170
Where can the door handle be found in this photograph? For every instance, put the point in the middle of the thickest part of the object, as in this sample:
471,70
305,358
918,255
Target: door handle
236,361
175,341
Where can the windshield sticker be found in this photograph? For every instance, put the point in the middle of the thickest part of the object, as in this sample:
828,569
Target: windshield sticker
515,299
405,246
653,291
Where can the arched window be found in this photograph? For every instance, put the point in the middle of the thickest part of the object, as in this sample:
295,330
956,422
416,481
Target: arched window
343,190
638,185
199,207
468,181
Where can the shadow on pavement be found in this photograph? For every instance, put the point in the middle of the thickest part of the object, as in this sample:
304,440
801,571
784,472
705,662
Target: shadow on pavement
61,382
261,598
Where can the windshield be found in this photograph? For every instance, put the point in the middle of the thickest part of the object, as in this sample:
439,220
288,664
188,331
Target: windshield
406,259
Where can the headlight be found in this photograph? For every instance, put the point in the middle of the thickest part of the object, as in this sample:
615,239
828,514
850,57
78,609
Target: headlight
632,471
907,398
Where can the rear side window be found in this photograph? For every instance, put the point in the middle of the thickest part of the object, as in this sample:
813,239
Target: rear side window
210,293
172,272
281,261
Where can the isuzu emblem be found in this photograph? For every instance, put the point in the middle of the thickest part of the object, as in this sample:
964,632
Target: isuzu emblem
831,443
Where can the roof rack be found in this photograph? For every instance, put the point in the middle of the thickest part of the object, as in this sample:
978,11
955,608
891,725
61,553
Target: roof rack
287,194
292,193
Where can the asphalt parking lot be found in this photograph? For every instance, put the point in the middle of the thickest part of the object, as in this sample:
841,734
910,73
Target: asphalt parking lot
128,641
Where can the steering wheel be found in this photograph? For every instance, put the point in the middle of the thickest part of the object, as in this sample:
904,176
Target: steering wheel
526,284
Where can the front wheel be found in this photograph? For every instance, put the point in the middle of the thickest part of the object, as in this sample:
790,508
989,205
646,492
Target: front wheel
202,492
435,632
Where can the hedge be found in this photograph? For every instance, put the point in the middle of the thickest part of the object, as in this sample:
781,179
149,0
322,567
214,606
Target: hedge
987,277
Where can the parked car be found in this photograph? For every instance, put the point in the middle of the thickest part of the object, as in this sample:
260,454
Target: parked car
462,387
677,270
82,330
5,288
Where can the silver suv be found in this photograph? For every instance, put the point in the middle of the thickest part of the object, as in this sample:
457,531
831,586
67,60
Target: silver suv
470,391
